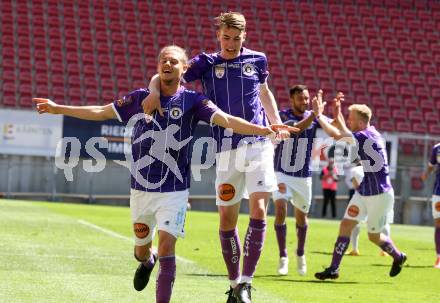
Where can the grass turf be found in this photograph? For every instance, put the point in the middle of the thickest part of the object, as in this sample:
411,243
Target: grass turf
50,252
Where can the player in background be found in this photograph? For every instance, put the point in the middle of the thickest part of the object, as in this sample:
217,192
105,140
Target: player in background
294,175
235,80
374,197
157,197
434,164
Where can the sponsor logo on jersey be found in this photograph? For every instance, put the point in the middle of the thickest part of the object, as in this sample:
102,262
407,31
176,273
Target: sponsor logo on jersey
353,211
248,69
219,71
226,192
176,113
437,206
141,230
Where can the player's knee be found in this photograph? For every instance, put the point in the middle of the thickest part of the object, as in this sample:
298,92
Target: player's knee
375,238
258,213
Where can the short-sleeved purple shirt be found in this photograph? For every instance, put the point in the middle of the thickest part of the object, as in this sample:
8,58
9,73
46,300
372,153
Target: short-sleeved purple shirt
435,161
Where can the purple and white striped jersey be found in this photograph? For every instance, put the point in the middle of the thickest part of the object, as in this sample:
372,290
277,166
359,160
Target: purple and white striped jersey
435,161
373,154
293,156
160,148
233,85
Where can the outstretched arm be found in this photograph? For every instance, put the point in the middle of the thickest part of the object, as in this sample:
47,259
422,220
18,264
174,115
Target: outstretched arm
94,113
305,123
241,126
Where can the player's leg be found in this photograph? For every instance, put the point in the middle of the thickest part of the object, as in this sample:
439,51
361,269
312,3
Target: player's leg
437,242
230,189
333,202
281,235
260,183
355,213
354,239
378,207
167,267
302,199
144,228
170,216
387,232
436,216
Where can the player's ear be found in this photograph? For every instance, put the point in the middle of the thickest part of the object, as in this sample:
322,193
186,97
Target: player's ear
218,35
244,36
185,68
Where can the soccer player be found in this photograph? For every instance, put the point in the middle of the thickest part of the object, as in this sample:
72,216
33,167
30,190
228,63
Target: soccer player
235,80
293,172
158,197
434,163
374,197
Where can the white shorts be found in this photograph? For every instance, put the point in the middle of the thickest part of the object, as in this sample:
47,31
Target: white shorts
166,210
436,207
243,171
376,210
294,189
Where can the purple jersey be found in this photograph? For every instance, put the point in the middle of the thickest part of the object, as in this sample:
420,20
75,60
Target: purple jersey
160,148
372,145
292,156
435,161
233,85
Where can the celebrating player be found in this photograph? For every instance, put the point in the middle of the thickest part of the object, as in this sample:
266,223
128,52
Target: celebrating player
434,163
374,197
235,80
293,172
157,196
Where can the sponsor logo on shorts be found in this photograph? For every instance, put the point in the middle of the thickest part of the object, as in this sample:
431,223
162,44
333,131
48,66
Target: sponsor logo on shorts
353,211
141,230
437,206
226,192
282,188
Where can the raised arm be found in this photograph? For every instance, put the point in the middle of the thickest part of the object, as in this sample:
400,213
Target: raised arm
305,123
243,127
152,101
427,172
332,131
94,113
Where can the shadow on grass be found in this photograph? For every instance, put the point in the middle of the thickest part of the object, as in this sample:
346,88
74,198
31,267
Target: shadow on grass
405,266
205,275
280,279
327,253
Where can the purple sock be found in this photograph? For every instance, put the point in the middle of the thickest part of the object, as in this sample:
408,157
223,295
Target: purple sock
231,249
149,263
301,233
281,232
253,245
341,246
437,240
165,279
391,249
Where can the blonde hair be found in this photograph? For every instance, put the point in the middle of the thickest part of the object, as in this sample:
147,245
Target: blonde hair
363,111
182,53
231,19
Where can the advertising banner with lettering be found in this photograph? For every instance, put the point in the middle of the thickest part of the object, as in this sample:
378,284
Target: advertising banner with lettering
29,134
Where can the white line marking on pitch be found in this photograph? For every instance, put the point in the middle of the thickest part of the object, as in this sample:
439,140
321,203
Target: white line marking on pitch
117,235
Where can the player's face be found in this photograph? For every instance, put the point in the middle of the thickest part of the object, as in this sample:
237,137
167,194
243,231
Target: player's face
231,40
170,66
353,121
300,101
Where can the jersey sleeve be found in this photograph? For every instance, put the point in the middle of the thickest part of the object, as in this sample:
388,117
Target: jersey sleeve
433,158
129,105
357,174
262,69
197,67
205,108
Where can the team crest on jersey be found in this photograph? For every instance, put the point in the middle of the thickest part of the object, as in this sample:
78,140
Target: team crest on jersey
124,101
248,69
176,113
219,71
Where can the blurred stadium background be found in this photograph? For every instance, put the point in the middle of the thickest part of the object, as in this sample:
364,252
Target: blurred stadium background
382,53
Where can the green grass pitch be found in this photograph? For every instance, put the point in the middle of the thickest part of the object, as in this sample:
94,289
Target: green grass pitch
55,252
